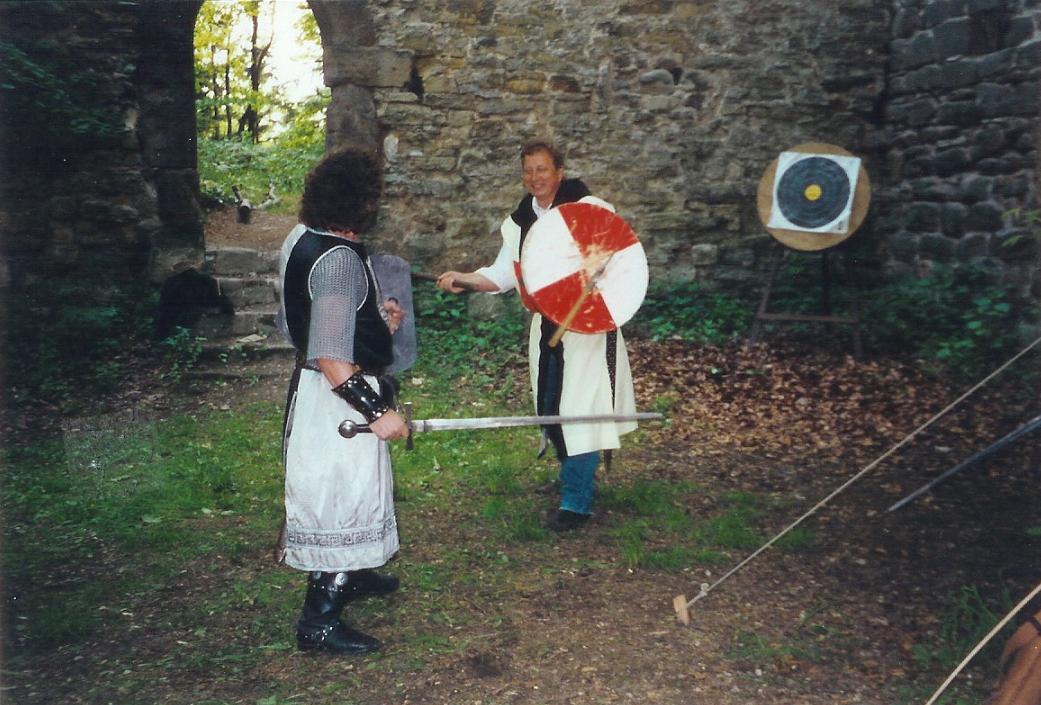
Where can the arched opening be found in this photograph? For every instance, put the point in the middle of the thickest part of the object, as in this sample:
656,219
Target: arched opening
260,107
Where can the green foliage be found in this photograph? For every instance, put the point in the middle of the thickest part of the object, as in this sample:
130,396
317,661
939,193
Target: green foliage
234,87
76,337
956,321
253,167
51,102
1028,223
966,620
181,352
482,349
688,311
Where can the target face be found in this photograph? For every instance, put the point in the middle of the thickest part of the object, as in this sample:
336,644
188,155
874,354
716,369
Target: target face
566,248
813,192
813,196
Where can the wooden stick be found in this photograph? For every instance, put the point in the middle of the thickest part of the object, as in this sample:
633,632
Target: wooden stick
562,328
427,277
679,603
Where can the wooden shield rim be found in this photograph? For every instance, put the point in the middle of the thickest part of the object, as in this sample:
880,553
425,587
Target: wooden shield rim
811,242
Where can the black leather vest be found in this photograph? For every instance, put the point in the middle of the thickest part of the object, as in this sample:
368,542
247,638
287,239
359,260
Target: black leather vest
373,347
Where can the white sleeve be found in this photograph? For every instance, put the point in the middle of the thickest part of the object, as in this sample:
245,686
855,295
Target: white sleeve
501,272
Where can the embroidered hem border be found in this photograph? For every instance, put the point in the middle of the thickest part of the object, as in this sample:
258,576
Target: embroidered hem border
304,538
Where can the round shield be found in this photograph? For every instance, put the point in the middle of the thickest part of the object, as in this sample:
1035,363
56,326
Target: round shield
813,196
580,246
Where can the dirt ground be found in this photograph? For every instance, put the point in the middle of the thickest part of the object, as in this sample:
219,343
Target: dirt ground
835,623
265,231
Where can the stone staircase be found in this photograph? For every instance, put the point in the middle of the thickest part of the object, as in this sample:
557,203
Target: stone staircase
250,279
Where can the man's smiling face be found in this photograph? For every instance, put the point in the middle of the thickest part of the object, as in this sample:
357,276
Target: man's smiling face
541,177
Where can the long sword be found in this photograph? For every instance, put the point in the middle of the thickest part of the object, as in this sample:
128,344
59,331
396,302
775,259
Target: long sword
350,429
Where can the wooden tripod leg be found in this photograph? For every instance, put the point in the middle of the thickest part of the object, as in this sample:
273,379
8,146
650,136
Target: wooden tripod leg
764,302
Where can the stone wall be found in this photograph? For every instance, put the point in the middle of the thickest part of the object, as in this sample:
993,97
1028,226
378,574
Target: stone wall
962,119
118,198
669,109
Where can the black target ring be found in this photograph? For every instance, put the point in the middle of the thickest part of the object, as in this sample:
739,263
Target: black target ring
813,192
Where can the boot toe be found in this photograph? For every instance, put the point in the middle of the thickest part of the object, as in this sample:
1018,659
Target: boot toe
337,639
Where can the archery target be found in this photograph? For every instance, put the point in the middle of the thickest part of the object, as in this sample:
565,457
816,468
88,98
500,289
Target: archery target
813,196
563,251
814,192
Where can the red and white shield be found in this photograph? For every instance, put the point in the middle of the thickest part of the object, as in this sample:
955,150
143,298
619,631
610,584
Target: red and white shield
564,250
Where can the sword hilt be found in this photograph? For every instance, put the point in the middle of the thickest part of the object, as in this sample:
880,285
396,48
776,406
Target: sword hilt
350,429
407,409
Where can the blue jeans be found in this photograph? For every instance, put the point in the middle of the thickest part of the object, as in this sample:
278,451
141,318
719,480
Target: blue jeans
576,471
576,479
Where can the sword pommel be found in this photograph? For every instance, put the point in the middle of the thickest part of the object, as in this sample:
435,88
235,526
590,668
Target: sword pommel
349,429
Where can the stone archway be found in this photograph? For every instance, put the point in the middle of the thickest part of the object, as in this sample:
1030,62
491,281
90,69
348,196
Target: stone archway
353,67
166,131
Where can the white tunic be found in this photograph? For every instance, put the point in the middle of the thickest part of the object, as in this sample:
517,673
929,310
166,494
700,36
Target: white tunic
586,387
339,492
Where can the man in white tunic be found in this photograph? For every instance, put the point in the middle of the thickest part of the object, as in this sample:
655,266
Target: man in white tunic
339,495
584,373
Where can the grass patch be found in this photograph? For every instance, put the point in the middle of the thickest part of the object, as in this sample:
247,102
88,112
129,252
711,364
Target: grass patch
165,493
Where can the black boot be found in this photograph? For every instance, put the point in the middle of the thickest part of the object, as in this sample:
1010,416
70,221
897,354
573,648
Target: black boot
362,583
320,628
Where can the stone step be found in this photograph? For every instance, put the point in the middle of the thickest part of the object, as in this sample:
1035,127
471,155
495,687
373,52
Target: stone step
255,346
250,290
246,321
232,261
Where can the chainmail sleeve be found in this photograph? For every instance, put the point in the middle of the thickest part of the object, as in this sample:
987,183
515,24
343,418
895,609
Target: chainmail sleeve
338,288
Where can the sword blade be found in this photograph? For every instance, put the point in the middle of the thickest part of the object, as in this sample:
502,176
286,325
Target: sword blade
349,429
425,425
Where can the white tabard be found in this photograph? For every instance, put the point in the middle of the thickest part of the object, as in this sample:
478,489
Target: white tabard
586,387
339,491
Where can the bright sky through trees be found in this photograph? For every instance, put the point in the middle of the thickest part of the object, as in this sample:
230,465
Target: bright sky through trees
296,65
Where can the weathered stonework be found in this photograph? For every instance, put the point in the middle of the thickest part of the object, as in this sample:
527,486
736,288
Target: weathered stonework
129,202
963,129
670,109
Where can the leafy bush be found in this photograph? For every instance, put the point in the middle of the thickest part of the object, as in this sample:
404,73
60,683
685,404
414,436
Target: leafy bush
75,337
449,335
956,321
253,167
688,311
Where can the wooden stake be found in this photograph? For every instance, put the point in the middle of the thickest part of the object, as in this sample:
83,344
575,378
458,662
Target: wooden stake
562,328
679,603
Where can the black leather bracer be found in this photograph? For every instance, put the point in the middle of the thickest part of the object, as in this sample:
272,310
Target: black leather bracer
360,394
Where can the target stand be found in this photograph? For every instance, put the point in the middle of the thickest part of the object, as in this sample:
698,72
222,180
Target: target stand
810,199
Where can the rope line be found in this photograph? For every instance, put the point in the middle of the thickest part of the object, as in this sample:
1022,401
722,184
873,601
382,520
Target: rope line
990,635
706,589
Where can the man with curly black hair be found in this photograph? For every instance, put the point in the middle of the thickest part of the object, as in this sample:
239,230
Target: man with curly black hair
339,492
